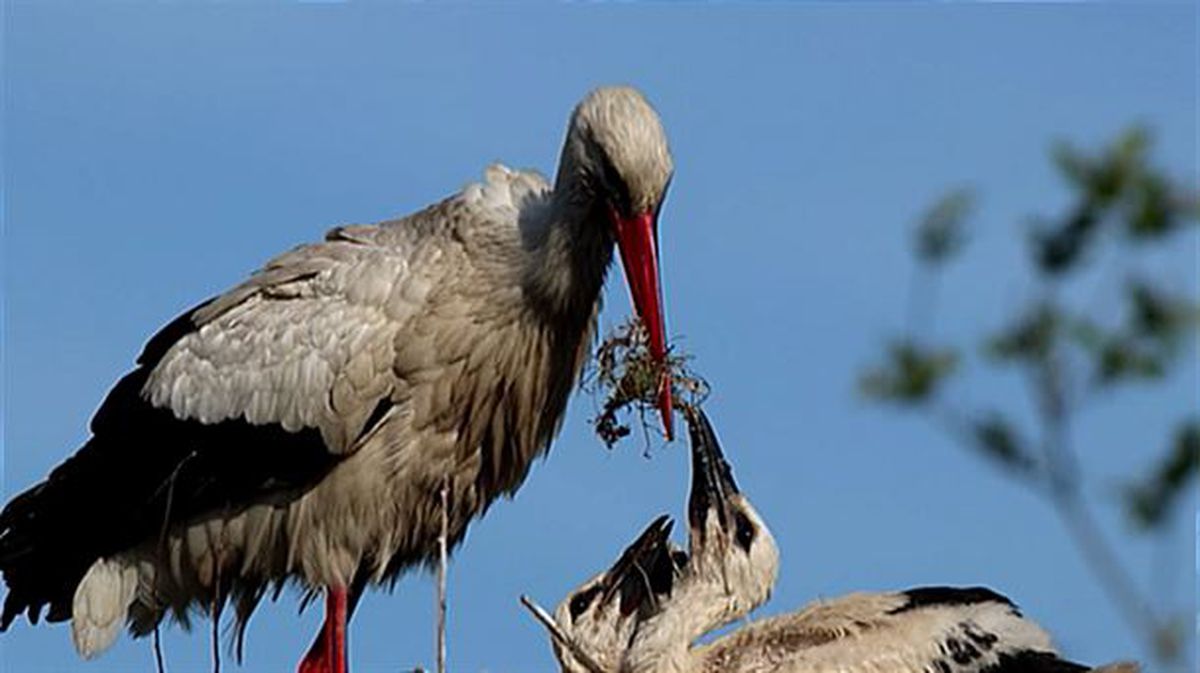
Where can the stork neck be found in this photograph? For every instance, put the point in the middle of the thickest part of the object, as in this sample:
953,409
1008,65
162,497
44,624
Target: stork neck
663,643
571,255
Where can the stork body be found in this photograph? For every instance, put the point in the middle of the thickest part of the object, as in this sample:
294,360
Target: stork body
959,631
731,570
299,426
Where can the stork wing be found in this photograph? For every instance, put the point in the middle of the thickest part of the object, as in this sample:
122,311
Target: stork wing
940,629
252,395
305,343
256,394
310,341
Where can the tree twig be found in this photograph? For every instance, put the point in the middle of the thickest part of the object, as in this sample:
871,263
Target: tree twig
1062,471
443,561
159,666
216,620
559,636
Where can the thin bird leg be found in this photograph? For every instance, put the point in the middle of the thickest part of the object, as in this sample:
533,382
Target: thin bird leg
328,651
314,660
335,605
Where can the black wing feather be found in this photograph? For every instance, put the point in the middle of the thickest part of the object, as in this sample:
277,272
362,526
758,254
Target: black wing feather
142,470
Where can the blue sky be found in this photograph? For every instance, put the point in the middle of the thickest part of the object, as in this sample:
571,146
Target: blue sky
156,154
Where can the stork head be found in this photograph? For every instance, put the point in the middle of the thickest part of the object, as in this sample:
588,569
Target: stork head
616,155
733,552
599,617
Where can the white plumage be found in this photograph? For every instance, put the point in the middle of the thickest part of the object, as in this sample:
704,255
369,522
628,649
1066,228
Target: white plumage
879,632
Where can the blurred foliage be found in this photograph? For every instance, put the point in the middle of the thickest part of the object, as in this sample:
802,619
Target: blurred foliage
911,373
998,438
1030,338
1116,188
1151,500
942,232
1067,351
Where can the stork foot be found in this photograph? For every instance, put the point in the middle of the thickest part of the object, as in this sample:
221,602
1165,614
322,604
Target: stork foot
328,651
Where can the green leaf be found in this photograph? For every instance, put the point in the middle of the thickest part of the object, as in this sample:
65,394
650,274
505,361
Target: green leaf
1058,247
1159,316
1124,358
1030,338
911,374
1152,211
1150,502
997,439
941,233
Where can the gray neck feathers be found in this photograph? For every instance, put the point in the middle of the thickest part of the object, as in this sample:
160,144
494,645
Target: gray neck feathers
663,642
570,244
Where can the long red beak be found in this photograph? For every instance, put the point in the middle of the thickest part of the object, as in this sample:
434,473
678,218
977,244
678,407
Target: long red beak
637,237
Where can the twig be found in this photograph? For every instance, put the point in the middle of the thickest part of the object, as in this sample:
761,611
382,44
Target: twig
1113,576
216,621
442,564
1058,481
1062,467
158,655
559,636
631,381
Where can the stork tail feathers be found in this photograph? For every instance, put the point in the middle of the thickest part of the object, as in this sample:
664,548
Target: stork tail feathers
1118,667
101,605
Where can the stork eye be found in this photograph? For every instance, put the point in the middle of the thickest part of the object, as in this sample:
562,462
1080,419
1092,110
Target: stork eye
745,531
581,601
615,188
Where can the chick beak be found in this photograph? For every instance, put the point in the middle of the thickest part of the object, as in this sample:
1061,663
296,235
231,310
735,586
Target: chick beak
712,478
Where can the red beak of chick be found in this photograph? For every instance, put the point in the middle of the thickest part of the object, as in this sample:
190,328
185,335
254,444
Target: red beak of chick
637,237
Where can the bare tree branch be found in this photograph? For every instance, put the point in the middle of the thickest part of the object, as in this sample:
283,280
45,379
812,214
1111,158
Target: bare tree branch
443,562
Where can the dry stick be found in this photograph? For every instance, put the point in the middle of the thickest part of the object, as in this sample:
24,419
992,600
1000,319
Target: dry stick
1062,466
557,634
216,624
158,655
441,589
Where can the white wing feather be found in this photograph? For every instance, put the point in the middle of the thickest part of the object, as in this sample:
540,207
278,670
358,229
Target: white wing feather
307,342
311,340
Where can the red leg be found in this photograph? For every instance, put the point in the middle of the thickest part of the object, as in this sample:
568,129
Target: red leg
336,603
328,651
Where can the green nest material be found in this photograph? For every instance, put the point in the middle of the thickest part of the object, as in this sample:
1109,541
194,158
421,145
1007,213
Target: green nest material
627,378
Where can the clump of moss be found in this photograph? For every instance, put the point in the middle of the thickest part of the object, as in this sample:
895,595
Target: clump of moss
628,379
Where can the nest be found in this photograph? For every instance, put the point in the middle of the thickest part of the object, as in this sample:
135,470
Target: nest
628,380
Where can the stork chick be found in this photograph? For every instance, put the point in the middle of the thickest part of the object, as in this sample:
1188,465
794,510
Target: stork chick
591,627
732,568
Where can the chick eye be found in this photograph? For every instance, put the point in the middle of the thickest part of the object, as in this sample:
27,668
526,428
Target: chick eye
745,531
581,601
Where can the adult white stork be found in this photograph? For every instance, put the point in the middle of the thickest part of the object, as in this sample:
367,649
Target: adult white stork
732,569
299,426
